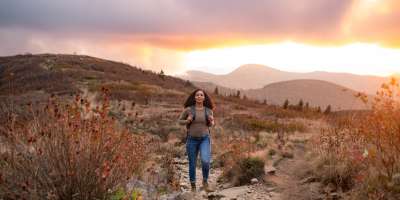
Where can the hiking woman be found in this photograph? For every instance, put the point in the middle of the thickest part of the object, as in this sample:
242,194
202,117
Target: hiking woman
198,117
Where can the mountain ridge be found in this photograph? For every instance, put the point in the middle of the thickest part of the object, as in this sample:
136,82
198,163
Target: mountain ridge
257,76
317,93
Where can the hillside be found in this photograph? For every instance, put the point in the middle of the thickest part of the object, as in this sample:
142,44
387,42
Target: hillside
210,87
257,76
37,76
139,123
316,92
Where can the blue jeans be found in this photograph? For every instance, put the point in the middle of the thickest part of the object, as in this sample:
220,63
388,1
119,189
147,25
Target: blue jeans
195,145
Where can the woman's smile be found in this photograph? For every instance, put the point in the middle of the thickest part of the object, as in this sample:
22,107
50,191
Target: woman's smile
199,97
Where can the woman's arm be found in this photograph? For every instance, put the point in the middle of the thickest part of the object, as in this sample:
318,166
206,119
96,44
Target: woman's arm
182,120
212,121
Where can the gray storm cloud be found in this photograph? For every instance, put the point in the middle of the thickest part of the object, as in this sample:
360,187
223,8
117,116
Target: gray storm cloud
123,28
164,17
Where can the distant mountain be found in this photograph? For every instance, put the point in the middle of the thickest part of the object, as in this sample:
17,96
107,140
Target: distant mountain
210,87
253,76
315,92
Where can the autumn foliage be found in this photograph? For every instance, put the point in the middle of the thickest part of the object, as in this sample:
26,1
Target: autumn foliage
368,146
69,150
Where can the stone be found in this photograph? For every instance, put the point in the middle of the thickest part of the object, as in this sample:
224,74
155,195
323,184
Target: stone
172,196
226,185
308,180
234,192
181,161
275,195
335,195
269,170
330,188
254,181
184,185
204,194
189,196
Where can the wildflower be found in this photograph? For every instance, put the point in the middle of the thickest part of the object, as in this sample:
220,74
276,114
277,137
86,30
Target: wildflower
365,154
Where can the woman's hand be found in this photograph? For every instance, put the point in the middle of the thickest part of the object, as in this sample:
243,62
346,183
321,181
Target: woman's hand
190,118
211,118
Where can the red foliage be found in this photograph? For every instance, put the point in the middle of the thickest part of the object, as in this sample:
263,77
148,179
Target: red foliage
68,151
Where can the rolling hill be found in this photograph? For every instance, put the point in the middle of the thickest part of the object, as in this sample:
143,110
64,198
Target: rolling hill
315,92
35,77
257,76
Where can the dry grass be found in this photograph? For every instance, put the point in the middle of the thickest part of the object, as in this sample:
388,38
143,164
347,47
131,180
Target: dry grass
362,152
59,74
252,123
68,151
292,112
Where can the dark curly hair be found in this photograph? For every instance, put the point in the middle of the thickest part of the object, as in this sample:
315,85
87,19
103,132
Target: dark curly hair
208,102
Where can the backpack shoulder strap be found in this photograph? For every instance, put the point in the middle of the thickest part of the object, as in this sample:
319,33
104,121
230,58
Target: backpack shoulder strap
193,110
207,113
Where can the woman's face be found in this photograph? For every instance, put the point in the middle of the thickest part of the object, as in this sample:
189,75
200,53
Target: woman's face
199,96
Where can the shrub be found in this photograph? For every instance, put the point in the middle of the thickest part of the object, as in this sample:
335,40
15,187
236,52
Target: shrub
286,104
341,173
167,164
121,194
68,151
233,150
248,168
328,110
237,165
271,152
370,151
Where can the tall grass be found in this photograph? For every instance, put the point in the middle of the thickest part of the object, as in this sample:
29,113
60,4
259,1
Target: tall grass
252,123
67,151
368,145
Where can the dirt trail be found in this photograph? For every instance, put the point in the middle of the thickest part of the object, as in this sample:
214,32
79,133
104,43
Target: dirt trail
286,179
280,184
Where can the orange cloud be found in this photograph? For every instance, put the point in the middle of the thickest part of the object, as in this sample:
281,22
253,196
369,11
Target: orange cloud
375,21
183,25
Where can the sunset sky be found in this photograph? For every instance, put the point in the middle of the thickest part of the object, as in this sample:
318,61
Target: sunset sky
217,36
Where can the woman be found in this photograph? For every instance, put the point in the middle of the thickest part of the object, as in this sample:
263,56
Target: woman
198,117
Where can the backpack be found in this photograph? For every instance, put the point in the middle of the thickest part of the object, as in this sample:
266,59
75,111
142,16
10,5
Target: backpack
206,114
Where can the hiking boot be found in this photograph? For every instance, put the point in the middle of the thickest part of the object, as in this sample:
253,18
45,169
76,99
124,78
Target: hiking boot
206,187
193,185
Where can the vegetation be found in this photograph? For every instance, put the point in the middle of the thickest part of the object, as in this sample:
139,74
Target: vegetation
63,74
238,167
328,110
216,91
73,148
251,123
249,168
365,157
286,104
300,105
67,151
